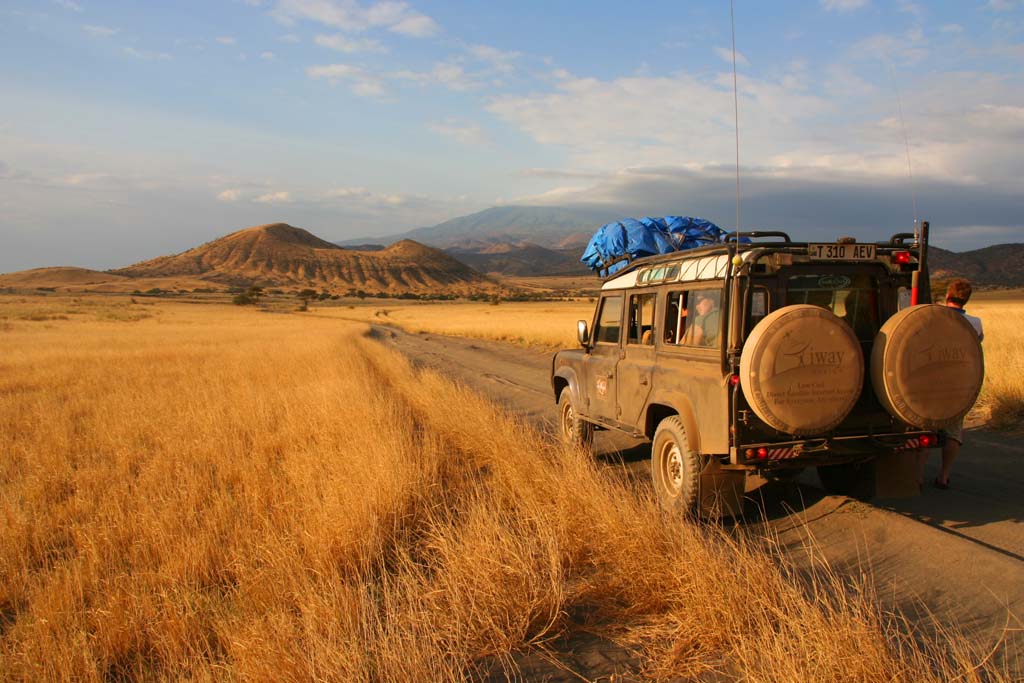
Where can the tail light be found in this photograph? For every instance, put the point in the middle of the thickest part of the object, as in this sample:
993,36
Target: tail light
901,257
734,380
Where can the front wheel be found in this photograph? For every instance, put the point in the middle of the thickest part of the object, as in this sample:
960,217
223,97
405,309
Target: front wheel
853,479
675,469
575,430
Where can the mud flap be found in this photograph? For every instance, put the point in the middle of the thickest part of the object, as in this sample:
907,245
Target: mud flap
896,474
721,491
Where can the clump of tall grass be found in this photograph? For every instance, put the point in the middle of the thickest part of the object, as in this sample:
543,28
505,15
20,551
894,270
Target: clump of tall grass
277,498
1002,396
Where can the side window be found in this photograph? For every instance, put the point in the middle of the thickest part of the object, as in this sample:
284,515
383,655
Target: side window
675,318
705,317
641,319
609,320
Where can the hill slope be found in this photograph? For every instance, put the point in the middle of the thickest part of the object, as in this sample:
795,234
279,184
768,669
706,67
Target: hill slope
522,259
279,254
1001,265
547,226
57,276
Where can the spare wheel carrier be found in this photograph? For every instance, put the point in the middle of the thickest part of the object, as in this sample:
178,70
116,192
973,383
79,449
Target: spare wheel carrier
927,366
802,370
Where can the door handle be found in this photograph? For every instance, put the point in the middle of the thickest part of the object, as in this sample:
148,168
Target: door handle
643,380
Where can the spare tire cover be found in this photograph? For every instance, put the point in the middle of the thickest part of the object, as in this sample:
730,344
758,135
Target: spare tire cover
927,366
802,369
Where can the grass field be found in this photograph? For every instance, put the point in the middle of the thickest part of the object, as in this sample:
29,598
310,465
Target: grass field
553,325
1002,397
543,324
217,493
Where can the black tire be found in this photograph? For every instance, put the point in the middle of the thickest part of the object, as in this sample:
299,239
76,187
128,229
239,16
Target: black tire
675,469
574,430
853,479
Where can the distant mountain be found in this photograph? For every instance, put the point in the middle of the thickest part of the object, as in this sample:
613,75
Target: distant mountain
57,276
279,254
1001,265
551,227
521,259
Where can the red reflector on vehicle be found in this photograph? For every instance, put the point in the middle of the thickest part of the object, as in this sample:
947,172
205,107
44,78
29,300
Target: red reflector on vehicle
926,441
762,452
901,257
750,452
734,380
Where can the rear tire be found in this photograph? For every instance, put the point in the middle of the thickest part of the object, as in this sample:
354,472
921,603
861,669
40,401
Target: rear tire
853,479
574,430
675,469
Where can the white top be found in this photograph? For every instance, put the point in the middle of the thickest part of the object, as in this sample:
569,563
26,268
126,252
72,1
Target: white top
975,323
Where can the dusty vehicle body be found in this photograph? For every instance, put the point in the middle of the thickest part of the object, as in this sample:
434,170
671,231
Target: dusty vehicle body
656,364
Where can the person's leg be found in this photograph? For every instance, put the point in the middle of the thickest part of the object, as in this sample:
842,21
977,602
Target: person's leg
949,452
922,459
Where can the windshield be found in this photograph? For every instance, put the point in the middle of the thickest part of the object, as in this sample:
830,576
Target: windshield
853,297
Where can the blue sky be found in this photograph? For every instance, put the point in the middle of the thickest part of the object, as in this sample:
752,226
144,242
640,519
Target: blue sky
133,129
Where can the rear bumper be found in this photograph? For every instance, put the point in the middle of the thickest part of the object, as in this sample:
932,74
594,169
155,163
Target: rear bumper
829,450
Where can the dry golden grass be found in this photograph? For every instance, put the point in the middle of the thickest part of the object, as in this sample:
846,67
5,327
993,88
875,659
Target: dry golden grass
215,493
553,325
544,324
1002,396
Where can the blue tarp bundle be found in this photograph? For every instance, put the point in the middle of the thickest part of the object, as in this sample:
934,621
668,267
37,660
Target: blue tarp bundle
646,237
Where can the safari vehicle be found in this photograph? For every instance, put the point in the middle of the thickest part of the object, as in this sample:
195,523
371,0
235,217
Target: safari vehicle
761,355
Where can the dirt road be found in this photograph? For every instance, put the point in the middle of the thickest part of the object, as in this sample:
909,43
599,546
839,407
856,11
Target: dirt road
957,554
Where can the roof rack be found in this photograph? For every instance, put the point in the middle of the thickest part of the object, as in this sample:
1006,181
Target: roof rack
736,236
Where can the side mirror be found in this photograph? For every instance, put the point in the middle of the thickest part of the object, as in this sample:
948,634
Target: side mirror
582,333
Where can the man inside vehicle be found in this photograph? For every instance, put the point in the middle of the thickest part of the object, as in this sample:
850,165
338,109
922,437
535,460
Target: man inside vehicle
706,324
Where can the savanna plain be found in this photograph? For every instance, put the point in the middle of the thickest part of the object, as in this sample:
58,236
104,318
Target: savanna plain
214,492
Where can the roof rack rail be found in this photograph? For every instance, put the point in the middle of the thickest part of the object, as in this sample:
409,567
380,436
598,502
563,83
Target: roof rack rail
901,237
735,236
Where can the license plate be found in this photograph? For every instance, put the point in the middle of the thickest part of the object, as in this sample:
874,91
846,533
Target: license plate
841,252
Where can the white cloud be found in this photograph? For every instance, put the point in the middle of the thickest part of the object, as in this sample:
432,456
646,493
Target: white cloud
348,45
365,197
725,54
334,72
499,59
349,15
274,198
232,195
361,82
452,76
226,40
99,31
146,54
69,4
464,133
908,48
448,74
843,5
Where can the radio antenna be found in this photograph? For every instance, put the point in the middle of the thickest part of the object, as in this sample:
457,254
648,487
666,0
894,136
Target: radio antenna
906,144
736,110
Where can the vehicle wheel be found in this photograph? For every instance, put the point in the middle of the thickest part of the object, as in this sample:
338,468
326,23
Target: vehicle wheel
853,479
675,469
574,430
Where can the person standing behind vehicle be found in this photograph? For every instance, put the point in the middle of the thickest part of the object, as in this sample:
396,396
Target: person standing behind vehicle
957,295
